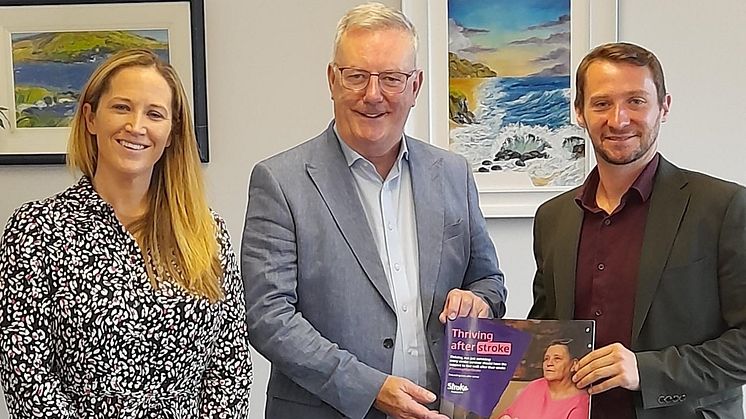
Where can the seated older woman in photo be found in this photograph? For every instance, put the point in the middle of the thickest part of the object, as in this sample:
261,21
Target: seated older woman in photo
120,297
554,396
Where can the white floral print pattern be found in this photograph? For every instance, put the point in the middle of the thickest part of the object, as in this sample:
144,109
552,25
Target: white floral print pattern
85,335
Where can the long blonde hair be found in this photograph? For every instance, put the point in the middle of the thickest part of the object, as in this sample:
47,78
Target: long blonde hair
177,234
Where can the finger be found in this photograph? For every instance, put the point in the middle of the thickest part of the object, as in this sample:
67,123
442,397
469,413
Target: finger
604,361
595,356
419,394
418,411
412,409
444,314
606,385
455,298
467,302
592,356
598,374
484,312
447,307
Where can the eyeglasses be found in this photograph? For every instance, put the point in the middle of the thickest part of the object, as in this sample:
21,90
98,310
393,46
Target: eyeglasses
391,82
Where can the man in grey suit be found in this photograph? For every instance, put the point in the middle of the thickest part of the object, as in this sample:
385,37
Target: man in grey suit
654,253
360,242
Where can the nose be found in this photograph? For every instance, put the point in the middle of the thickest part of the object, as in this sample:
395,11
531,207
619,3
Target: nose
373,92
619,118
136,124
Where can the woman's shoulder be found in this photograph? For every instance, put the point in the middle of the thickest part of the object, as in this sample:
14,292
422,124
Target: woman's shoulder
46,213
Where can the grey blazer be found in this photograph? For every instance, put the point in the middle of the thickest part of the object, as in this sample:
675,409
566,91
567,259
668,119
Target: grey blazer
689,325
318,303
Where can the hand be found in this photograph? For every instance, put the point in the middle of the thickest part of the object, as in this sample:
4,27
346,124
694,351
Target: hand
614,364
403,399
460,303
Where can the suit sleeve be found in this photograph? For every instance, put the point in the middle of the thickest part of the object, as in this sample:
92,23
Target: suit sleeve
32,387
279,332
539,307
483,276
718,364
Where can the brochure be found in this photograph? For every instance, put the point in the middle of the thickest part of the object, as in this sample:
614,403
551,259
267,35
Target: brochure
514,369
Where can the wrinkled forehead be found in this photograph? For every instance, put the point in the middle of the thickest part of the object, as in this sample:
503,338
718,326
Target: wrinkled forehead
558,349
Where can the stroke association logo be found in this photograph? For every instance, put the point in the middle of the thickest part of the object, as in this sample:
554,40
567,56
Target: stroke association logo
457,388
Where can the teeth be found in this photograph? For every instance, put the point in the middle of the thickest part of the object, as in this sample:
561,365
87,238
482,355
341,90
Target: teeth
131,146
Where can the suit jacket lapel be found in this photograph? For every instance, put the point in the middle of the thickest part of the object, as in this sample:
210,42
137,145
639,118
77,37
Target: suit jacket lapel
570,224
329,172
427,191
668,204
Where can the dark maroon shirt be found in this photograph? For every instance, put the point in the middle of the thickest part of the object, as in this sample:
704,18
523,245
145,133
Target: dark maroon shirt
607,269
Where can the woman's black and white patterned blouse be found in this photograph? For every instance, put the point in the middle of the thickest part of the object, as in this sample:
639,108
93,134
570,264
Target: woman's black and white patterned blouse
83,334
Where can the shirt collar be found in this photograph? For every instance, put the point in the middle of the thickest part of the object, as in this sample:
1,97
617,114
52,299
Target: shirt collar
585,197
351,156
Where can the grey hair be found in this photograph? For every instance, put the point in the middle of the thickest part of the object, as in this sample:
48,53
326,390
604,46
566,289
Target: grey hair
373,16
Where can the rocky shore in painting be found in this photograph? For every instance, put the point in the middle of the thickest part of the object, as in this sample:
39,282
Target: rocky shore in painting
518,149
461,94
520,125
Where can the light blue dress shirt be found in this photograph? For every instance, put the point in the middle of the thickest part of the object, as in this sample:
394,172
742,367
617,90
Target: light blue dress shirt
389,209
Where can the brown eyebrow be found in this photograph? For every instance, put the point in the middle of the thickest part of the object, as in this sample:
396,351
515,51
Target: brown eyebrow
163,109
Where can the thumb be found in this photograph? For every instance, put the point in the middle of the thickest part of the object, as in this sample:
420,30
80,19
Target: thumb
419,394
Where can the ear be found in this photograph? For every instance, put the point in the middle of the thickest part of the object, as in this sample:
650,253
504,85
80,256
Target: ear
89,117
417,84
331,76
579,117
665,107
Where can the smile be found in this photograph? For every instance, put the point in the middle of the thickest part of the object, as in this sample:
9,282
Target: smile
372,115
620,137
131,146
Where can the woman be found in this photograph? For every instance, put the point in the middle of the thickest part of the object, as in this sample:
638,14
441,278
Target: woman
554,396
120,297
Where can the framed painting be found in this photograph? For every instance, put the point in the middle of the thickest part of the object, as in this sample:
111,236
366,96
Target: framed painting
499,89
49,48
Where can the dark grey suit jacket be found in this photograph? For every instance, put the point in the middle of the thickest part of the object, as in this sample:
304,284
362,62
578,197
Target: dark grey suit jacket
318,303
689,326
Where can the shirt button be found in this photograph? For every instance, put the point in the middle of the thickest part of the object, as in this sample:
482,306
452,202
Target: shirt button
404,308
388,343
601,266
412,352
607,221
391,226
397,266
599,312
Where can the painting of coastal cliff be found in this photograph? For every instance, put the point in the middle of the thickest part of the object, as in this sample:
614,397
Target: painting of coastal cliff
509,93
50,69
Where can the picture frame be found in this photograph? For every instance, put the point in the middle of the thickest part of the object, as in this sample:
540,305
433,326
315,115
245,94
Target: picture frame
182,19
593,22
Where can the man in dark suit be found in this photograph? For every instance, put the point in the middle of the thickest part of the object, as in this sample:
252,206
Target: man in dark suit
654,253
360,242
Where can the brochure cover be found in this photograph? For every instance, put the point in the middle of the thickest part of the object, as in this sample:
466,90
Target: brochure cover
514,369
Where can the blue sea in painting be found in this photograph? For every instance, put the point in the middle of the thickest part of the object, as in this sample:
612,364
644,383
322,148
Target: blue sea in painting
522,124
532,100
59,76
66,79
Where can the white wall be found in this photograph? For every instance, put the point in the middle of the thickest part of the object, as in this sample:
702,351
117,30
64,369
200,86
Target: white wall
267,92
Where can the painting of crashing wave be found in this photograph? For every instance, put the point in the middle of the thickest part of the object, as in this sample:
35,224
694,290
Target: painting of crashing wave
509,91
50,69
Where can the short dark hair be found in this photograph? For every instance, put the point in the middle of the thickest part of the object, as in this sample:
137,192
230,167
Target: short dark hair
620,52
567,344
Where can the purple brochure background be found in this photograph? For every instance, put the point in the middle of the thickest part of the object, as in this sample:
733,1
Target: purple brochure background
479,391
